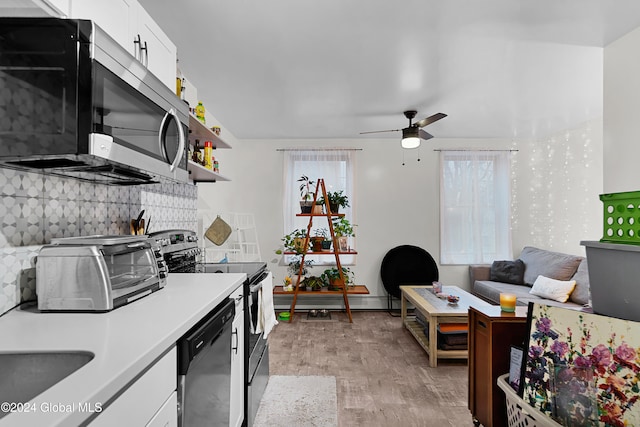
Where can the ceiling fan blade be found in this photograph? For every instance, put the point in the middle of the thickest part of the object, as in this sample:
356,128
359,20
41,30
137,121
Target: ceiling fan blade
429,120
380,131
424,135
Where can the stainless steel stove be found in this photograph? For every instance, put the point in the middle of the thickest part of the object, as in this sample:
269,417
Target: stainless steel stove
181,252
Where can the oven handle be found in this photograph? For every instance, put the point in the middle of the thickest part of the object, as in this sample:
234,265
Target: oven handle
258,283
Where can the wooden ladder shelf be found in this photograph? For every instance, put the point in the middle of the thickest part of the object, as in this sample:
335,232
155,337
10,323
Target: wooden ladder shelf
320,187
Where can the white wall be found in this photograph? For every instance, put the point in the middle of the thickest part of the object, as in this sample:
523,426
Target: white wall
399,205
621,108
556,187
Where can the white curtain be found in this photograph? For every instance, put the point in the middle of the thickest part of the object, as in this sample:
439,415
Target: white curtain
336,167
475,199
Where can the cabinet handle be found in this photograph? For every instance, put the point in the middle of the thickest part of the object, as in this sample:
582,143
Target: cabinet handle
482,324
235,348
146,55
136,44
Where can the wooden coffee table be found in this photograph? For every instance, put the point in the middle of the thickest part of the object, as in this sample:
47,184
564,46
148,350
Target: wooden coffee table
436,311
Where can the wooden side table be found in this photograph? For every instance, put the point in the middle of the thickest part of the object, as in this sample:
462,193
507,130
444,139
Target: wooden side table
491,335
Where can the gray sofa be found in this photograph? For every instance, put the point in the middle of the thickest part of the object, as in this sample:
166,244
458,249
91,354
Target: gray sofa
518,276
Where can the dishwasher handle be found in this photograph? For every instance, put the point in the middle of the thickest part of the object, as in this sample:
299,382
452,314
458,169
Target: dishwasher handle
234,347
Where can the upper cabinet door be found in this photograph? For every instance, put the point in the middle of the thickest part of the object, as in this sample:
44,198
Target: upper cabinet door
159,53
35,8
62,6
131,26
116,17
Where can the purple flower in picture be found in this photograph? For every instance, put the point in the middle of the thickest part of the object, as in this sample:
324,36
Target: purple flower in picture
535,351
543,329
543,325
601,355
560,348
626,353
582,362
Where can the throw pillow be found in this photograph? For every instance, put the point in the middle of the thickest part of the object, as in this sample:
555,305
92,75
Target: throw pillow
554,265
557,290
580,294
507,272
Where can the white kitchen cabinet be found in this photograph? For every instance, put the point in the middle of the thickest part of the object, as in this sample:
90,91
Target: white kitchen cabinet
138,404
159,54
129,24
237,362
166,416
35,8
57,7
117,17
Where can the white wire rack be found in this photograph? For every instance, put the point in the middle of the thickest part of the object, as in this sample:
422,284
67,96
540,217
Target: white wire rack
241,246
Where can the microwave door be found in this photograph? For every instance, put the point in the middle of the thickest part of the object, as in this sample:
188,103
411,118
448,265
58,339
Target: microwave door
169,135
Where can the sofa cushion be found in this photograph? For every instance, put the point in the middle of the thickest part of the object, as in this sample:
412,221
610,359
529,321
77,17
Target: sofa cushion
550,264
507,272
490,291
580,294
558,290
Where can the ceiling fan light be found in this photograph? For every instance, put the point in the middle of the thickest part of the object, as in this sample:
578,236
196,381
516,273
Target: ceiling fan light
410,138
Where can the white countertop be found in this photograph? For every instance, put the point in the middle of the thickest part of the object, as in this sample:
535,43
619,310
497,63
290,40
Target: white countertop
124,341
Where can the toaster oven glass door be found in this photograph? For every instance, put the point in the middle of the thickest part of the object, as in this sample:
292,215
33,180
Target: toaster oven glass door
131,268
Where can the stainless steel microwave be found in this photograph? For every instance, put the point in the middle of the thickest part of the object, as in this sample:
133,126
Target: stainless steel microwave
74,103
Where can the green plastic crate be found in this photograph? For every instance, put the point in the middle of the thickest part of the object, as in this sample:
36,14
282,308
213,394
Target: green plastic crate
621,217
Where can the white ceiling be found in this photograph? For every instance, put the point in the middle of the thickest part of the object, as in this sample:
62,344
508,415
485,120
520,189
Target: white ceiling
334,68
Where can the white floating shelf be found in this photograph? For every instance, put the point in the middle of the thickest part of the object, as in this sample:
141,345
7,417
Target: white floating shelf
202,133
198,173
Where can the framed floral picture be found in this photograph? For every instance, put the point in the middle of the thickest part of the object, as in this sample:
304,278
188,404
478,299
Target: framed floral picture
583,368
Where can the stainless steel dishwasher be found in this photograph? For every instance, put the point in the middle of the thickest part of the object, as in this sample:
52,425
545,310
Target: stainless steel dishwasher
204,369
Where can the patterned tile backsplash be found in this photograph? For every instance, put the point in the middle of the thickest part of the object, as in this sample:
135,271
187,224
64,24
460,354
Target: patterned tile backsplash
36,208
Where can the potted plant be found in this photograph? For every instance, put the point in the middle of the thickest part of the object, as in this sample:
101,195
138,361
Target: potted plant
306,194
326,242
343,229
312,283
295,270
318,239
336,200
331,277
294,241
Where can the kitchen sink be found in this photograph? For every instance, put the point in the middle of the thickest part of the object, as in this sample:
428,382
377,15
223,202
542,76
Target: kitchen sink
23,376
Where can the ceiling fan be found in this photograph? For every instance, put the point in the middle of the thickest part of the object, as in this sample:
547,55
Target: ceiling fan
412,134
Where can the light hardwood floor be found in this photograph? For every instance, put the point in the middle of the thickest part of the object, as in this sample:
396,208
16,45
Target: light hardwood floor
383,375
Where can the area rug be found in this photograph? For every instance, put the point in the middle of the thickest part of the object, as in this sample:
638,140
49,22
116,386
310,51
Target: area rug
298,401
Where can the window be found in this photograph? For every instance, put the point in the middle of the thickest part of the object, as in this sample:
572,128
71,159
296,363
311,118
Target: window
475,198
336,167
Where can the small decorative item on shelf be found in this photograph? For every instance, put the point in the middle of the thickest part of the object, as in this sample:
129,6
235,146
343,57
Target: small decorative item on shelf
306,194
216,130
200,112
287,286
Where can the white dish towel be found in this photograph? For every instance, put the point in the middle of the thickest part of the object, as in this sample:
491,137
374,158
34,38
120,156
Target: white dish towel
266,312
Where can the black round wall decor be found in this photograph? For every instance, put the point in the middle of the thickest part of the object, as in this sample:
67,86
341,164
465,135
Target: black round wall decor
407,265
